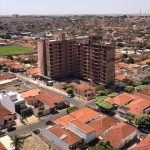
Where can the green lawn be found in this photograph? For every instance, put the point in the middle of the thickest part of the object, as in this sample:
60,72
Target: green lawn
13,50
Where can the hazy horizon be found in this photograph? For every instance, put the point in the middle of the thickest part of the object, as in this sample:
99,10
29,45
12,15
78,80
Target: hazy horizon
74,7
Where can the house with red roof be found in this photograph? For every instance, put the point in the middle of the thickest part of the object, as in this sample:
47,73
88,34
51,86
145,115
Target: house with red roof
6,117
144,144
43,103
87,123
120,134
62,138
84,90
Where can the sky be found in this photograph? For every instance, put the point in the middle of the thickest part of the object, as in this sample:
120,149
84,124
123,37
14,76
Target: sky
61,7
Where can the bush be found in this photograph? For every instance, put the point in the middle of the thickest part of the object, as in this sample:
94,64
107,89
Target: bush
143,121
69,90
71,109
139,88
105,105
101,93
100,88
103,146
101,98
130,60
129,89
145,81
112,95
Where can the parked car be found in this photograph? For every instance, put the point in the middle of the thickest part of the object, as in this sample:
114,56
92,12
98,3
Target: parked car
70,95
49,122
2,132
11,129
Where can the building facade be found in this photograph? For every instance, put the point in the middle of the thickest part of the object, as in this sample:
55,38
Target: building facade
88,59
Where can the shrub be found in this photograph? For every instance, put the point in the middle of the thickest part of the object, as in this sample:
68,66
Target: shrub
129,89
101,93
143,120
112,95
71,109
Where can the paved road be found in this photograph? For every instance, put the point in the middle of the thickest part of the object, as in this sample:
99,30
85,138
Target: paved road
73,101
41,122
35,125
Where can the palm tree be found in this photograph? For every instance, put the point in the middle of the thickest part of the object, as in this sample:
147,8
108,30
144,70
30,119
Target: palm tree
17,142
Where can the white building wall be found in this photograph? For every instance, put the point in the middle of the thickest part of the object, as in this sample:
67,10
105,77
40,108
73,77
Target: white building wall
54,139
88,137
7,103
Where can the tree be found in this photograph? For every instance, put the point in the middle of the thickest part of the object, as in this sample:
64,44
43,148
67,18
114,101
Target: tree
112,95
130,60
101,98
143,121
69,90
105,106
17,142
129,89
139,88
100,87
124,56
145,81
71,109
102,93
103,146
128,82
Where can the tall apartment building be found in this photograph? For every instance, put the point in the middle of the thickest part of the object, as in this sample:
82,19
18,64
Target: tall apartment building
91,60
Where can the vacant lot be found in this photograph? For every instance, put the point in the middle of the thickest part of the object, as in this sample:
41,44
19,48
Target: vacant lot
13,50
31,143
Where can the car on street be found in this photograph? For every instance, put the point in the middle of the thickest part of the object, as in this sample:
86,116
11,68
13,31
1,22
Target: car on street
2,132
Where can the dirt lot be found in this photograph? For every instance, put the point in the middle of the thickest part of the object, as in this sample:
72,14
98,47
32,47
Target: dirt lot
31,143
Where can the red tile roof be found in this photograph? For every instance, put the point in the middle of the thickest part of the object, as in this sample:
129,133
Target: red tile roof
144,145
146,91
118,133
122,99
85,114
7,76
5,114
138,106
141,95
84,127
33,71
83,86
2,146
49,98
32,92
64,120
65,135
103,123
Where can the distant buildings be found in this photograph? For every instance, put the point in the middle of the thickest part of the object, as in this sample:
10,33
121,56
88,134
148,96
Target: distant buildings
90,59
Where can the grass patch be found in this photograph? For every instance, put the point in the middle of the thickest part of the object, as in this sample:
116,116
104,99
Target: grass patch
13,50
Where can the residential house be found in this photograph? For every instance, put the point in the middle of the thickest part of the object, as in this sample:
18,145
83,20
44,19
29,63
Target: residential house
120,134
120,101
45,103
84,91
33,72
62,138
15,103
138,106
7,76
6,117
87,123
144,144
30,93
